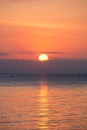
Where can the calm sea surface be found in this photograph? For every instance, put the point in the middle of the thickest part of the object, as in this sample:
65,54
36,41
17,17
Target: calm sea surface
36,102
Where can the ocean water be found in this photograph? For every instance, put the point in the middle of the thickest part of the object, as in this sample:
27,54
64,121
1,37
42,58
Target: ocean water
43,102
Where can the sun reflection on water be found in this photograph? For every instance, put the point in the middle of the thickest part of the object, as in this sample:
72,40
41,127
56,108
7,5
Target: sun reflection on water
44,110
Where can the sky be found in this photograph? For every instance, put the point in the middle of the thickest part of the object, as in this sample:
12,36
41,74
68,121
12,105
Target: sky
55,27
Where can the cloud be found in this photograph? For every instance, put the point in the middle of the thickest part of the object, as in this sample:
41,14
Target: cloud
3,54
53,52
36,52
26,52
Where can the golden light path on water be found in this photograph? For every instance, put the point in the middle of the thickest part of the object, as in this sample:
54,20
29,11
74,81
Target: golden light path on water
43,102
43,106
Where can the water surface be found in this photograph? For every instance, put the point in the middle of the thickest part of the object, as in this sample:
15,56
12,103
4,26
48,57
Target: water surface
32,102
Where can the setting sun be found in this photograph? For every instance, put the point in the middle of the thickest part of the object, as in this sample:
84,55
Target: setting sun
43,57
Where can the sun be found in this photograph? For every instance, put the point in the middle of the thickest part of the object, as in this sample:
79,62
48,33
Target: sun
43,57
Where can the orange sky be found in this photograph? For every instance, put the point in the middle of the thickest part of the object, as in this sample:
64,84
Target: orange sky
54,26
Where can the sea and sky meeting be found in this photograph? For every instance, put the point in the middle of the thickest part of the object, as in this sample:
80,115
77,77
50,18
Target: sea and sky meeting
43,64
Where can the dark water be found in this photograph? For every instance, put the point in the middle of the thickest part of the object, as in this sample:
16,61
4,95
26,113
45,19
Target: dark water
43,102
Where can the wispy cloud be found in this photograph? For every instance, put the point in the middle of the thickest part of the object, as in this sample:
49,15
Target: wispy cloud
3,54
27,52
52,52
36,52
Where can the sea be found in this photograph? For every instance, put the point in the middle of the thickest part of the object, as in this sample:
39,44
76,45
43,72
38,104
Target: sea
43,101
